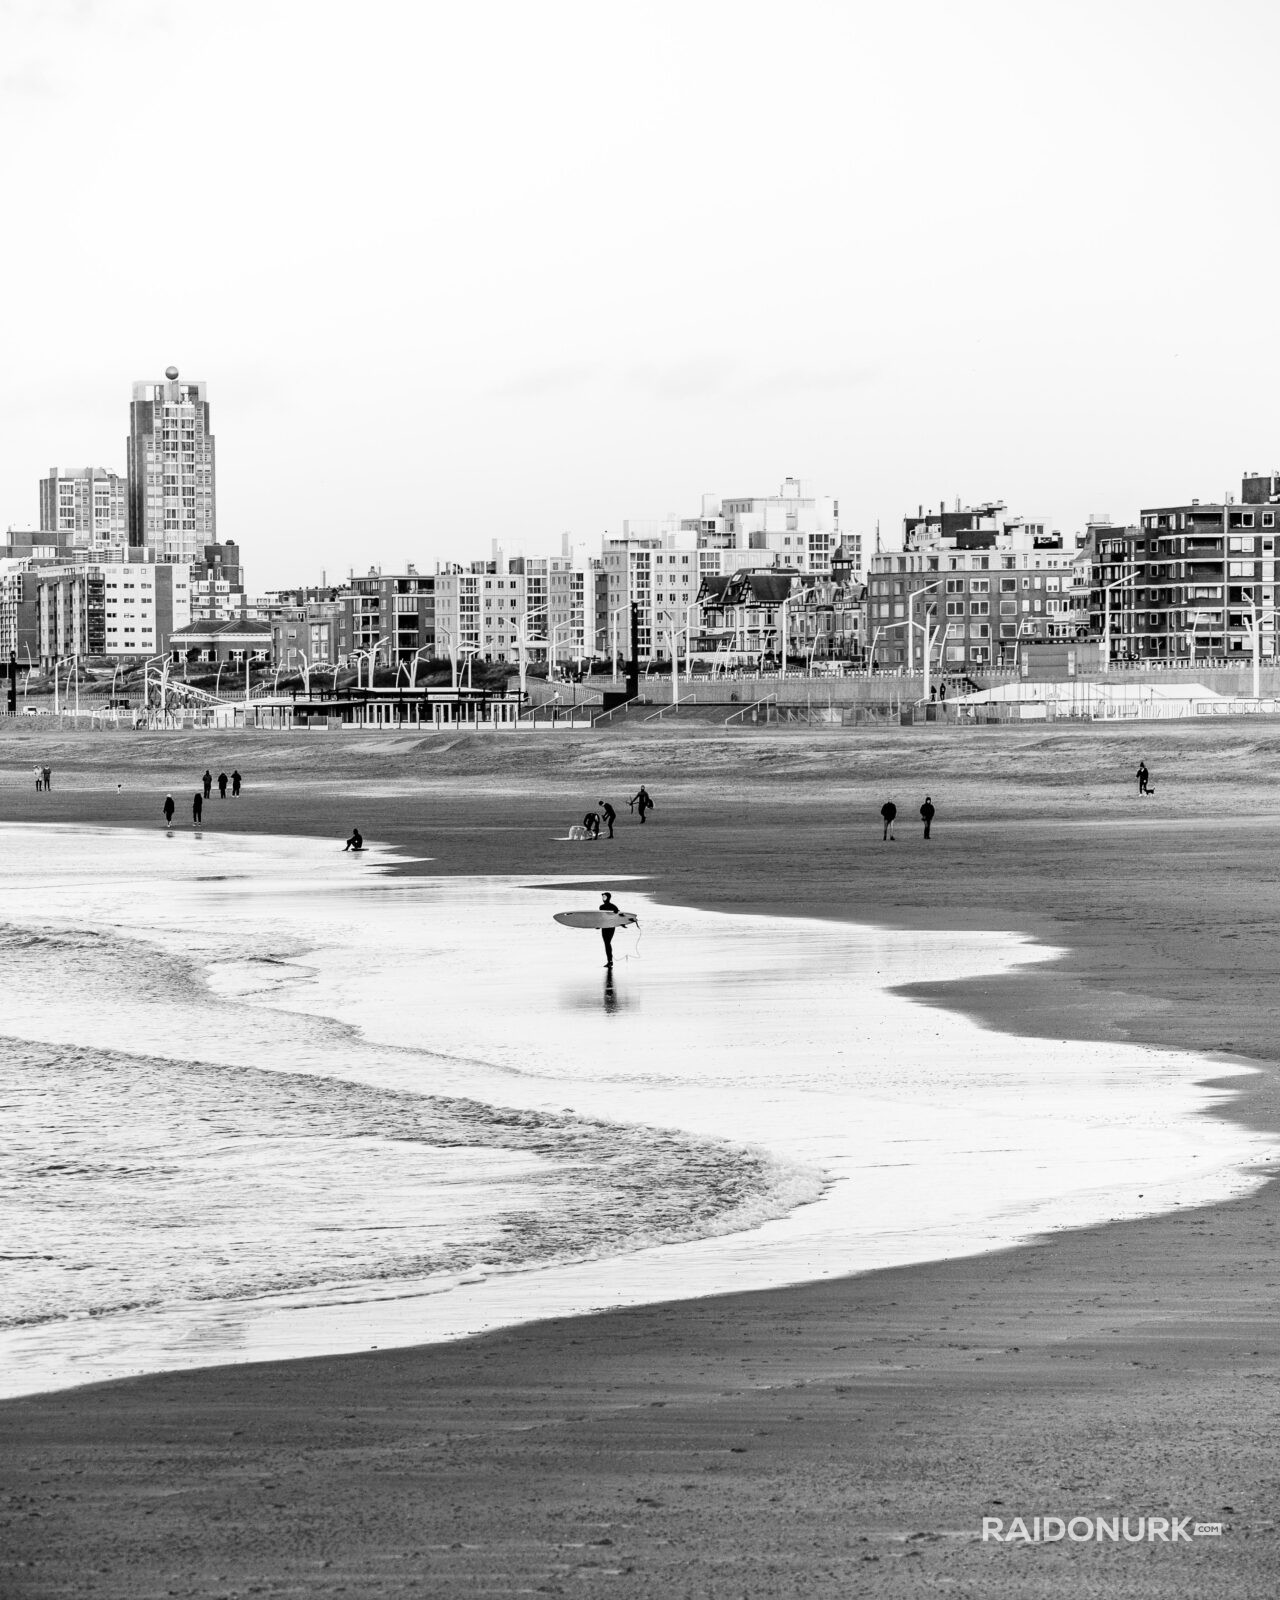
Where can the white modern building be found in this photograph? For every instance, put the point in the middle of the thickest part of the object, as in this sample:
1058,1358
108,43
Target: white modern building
112,609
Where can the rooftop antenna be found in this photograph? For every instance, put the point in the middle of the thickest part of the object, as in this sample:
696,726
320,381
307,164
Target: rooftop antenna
877,535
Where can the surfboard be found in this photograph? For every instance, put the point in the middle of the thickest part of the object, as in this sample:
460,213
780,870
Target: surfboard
596,919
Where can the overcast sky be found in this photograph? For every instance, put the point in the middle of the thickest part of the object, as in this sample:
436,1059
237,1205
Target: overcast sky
476,270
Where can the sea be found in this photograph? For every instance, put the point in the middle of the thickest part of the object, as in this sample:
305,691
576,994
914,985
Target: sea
263,1098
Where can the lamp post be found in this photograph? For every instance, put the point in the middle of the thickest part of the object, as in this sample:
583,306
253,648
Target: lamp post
523,640
1255,636
1119,583
923,626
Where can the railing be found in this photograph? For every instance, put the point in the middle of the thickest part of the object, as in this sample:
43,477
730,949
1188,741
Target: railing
769,700
625,708
672,705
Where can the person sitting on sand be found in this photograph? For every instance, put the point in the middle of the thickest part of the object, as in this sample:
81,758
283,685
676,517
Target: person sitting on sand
355,842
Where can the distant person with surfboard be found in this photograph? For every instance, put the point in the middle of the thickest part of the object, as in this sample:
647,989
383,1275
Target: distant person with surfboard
641,801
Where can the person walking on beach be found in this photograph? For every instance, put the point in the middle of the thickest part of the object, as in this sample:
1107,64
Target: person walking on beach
235,782
609,814
1144,778
168,811
39,771
355,842
48,776
888,811
207,780
606,904
926,811
222,786
197,809
641,801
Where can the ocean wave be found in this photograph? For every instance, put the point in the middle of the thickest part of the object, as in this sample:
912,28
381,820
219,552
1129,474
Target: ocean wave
184,1181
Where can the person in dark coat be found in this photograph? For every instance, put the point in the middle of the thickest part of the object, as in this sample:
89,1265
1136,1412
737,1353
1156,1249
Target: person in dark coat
609,814
207,780
235,783
926,811
197,808
168,810
1144,778
222,786
888,811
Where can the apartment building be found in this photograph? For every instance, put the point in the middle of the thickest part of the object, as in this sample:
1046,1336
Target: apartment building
86,510
1188,582
112,609
392,613
171,469
983,580
217,583
19,616
480,611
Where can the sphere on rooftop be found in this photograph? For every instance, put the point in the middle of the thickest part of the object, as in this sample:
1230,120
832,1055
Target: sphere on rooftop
171,372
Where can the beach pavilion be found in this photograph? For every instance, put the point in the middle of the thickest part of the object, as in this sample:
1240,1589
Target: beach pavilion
229,641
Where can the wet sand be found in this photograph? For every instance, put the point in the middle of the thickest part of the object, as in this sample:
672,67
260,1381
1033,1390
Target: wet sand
835,1439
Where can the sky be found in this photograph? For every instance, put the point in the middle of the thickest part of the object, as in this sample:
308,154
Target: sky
463,272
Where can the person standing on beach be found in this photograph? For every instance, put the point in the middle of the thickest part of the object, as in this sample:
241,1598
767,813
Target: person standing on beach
197,809
641,801
926,811
609,814
235,782
48,777
888,811
1144,778
207,780
222,786
168,811
606,904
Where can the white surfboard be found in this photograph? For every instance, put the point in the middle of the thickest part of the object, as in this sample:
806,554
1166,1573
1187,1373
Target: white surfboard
596,919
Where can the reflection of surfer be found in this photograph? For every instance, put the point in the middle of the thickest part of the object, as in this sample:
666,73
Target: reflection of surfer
355,842
606,904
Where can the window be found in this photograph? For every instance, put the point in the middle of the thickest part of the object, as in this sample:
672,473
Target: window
1239,569
1008,583
979,585
979,608
955,608
955,585
1268,519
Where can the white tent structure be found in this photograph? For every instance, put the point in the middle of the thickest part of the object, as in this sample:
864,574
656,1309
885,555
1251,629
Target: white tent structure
1096,699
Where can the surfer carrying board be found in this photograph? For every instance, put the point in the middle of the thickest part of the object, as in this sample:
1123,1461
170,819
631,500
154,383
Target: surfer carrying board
606,904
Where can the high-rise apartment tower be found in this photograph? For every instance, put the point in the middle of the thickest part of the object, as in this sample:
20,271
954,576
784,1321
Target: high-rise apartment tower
171,469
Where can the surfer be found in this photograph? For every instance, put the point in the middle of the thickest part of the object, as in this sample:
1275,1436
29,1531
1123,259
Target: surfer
606,904
355,842
591,822
642,800
609,814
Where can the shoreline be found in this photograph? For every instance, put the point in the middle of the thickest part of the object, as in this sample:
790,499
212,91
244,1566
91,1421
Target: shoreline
840,1436
1063,1169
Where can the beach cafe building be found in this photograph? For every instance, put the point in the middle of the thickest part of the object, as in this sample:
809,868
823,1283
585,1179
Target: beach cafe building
229,640
428,709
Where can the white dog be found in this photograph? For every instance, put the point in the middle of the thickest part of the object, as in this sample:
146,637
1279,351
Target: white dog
577,831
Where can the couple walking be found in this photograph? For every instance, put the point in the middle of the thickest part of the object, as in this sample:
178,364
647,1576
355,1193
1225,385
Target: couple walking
889,812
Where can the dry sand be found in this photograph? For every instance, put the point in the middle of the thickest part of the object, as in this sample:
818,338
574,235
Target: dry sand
829,1440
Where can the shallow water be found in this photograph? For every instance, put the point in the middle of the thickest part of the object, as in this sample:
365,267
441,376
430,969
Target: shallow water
264,1098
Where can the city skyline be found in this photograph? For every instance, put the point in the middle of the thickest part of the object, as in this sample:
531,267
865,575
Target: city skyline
904,258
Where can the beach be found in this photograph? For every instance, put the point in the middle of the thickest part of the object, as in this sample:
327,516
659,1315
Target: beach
833,1438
